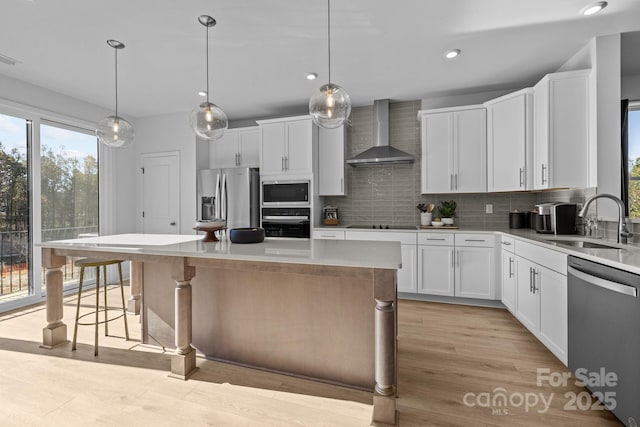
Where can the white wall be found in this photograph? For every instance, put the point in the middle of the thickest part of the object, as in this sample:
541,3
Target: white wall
164,133
631,88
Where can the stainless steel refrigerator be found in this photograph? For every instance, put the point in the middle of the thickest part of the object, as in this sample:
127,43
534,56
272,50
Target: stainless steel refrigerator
236,196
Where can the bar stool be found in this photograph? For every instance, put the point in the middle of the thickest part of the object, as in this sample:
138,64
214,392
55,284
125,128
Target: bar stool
97,263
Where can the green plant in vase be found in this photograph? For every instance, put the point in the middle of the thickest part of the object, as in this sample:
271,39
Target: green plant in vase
447,211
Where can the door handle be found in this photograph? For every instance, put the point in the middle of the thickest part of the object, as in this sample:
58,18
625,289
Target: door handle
531,279
521,177
172,223
456,181
451,182
535,275
286,163
543,169
603,283
510,267
282,162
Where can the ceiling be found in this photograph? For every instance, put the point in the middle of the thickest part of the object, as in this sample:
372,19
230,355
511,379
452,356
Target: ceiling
261,50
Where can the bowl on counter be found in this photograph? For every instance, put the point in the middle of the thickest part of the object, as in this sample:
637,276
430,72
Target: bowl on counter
246,235
437,223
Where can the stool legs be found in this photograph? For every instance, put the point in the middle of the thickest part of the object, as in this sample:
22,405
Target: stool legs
106,319
95,345
124,308
75,329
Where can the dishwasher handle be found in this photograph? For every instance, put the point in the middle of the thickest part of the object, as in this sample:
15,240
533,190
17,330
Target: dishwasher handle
604,283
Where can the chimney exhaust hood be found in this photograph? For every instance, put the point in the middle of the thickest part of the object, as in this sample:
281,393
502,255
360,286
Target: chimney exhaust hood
381,153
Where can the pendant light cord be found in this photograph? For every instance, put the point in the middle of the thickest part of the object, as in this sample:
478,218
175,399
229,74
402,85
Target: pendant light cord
329,35
116,52
207,55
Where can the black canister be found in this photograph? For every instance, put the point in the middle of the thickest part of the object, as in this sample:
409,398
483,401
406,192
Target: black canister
517,219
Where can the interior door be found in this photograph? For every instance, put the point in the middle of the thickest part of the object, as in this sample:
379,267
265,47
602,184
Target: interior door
160,199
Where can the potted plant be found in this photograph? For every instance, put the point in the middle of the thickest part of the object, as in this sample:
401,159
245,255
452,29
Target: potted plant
447,211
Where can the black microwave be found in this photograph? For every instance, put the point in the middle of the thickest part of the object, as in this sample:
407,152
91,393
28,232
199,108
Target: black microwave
285,193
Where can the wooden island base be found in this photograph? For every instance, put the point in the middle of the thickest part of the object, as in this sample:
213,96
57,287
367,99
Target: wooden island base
332,323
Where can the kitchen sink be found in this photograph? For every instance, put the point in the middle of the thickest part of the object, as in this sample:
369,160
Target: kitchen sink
584,244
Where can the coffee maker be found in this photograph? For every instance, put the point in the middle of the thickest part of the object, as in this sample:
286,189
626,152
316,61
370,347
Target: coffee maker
556,218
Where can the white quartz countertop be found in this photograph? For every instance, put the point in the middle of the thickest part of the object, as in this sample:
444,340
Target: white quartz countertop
627,257
342,253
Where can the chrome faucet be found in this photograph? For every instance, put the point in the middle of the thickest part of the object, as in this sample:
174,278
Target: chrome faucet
623,232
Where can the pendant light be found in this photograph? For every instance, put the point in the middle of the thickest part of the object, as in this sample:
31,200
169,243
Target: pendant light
207,120
114,131
330,105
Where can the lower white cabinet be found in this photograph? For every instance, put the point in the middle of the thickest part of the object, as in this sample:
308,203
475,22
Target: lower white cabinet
435,270
461,265
541,296
509,280
321,233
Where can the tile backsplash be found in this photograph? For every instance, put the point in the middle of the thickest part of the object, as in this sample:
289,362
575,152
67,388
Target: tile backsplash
389,194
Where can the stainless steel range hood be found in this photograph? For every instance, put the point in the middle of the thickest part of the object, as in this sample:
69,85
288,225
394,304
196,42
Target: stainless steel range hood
381,153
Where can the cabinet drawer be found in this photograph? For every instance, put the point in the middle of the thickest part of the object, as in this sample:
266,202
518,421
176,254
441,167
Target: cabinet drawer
507,243
480,240
328,234
435,239
549,258
381,236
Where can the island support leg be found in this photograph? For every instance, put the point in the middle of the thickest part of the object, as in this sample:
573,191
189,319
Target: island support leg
384,398
133,303
183,361
55,333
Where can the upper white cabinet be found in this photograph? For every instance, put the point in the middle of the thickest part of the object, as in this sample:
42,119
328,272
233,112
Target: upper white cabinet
331,162
562,137
237,148
454,150
509,135
286,146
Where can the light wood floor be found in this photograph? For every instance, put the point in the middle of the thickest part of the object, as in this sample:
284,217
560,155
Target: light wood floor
445,352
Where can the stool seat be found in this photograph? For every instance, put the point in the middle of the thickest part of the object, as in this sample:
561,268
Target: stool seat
97,263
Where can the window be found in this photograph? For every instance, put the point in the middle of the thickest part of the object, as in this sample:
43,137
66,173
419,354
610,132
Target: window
633,127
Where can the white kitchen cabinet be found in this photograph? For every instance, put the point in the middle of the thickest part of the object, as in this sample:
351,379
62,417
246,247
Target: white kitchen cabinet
541,297
460,265
237,148
407,281
286,146
475,265
508,282
332,162
509,125
453,150
436,270
562,137
323,233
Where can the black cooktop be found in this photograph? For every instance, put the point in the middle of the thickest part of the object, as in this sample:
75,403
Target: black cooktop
384,227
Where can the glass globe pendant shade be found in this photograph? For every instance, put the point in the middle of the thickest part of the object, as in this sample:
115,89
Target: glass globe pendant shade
208,121
115,132
330,106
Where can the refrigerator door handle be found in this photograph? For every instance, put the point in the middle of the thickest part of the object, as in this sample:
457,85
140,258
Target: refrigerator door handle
217,199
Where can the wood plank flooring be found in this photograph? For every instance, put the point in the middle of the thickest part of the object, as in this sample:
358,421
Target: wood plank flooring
445,352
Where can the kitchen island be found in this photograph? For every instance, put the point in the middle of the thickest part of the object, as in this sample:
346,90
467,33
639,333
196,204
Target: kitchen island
319,309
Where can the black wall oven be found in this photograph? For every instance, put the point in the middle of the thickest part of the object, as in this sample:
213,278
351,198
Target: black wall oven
285,193
287,222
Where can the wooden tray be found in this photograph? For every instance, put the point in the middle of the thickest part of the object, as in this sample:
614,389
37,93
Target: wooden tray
440,227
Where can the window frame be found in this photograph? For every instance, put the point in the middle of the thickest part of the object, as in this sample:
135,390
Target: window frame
634,105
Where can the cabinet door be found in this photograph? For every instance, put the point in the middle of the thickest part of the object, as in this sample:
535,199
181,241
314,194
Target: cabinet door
509,280
470,151
435,270
272,148
507,144
224,151
541,135
331,161
249,148
527,310
407,281
299,146
474,272
437,142
553,311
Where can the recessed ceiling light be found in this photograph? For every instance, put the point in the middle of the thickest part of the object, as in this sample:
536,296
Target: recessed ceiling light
312,76
202,93
452,53
593,8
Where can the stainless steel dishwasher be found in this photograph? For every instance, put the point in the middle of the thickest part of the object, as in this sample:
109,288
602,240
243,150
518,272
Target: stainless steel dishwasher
604,335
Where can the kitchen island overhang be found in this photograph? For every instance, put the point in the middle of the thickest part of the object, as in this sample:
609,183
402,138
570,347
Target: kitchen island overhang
320,309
